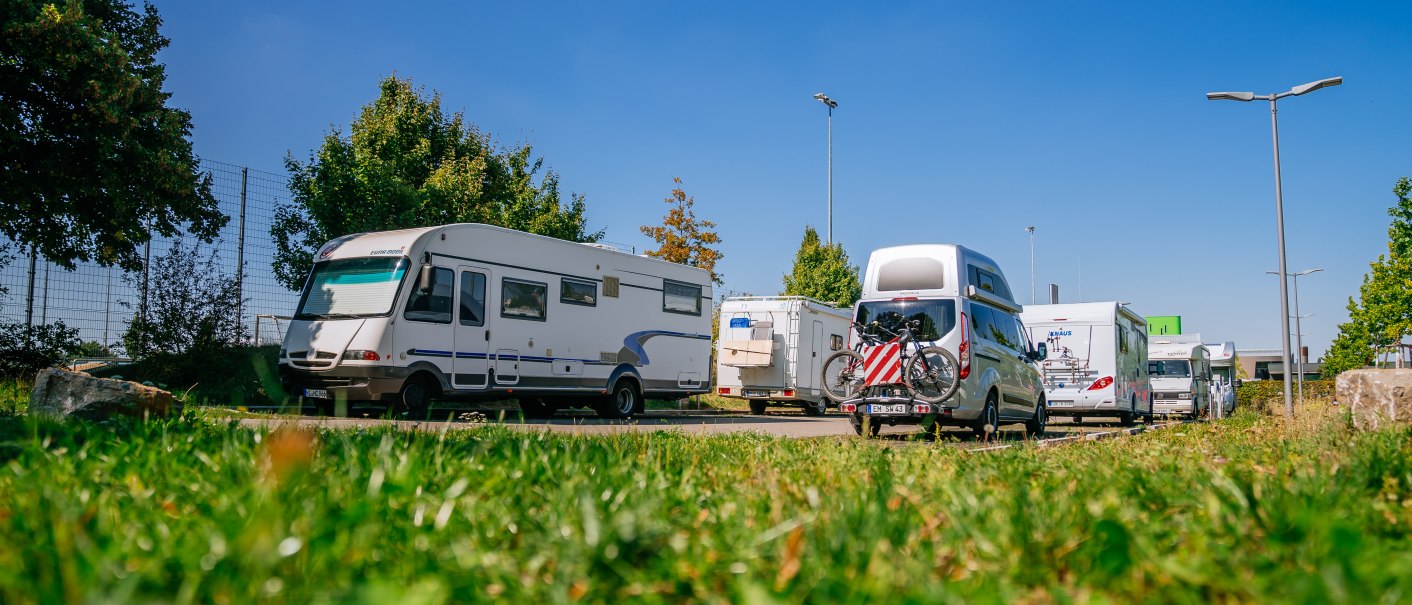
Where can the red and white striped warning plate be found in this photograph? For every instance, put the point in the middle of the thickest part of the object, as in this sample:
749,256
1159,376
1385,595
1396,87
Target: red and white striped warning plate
882,364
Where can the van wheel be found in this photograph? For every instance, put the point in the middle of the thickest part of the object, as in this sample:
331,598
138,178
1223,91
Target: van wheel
1035,426
414,399
1151,416
857,421
1129,417
537,408
816,409
988,424
757,406
1195,409
621,402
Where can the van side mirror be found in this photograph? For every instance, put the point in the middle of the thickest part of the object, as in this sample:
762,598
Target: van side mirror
1238,382
424,280
1041,352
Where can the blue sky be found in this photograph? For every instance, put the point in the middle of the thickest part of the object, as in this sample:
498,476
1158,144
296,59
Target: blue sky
957,122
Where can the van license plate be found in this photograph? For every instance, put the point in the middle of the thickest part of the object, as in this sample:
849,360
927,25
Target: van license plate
756,393
316,393
899,408
1061,403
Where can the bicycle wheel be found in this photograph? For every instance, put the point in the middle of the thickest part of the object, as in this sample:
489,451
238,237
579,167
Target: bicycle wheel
931,374
843,375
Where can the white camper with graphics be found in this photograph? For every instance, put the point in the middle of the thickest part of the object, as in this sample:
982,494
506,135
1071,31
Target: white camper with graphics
1181,375
771,350
1097,359
471,311
1223,375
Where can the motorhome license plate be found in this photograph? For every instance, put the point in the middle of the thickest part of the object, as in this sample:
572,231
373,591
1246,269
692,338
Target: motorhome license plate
316,393
1061,403
756,393
898,408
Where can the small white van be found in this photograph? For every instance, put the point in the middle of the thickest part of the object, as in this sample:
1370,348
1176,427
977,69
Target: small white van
1181,375
1097,359
963,303
472,311
772,348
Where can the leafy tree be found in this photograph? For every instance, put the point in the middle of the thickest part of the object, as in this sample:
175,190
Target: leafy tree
94,159
1382,315
822,272
408,164
683,238
193,307
26,349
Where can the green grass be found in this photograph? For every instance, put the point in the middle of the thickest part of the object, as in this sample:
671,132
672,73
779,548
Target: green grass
193,510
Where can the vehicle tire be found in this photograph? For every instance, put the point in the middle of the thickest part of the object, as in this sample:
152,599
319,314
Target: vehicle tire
1151,414
414,399
535,407
757,406
1035,426
988,424
843,375
931,374
816,408
621,402
1129,417
856,421
1195,409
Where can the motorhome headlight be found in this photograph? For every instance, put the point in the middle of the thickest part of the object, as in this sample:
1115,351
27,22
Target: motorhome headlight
352,355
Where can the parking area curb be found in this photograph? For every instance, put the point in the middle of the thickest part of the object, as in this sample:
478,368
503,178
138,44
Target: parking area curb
1068,439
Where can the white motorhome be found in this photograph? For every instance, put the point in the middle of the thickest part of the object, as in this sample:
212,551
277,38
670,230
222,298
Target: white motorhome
471,311
1223,374
1181,375
772,348
1097,359
964,305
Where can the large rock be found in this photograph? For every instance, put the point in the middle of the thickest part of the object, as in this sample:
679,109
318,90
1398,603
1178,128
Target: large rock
61,393
1376,398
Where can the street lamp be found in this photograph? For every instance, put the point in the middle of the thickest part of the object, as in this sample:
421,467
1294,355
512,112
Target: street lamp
1298,331
823,98
1279,202
1030,230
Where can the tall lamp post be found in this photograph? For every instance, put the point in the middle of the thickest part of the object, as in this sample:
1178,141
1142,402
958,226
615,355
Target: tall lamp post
823,98
1279,203
1030,230
1298,331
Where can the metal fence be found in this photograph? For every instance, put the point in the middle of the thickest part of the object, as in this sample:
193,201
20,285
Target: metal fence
101,301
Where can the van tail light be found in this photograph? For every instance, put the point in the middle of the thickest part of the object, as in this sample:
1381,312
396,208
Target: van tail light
963,353
724,390
848,408
789,392
1101,383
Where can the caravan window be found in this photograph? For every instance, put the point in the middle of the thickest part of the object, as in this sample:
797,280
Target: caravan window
434,307
1122,339
578,292
1177,367
472,298
523,299
990,282
917,273
681,298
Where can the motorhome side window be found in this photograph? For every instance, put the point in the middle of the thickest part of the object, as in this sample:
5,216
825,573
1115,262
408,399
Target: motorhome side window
523,299
472,298
985,280
681,298
436,306
578,292
1122,339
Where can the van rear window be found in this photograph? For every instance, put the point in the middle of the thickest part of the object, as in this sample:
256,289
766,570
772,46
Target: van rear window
938,317
916,273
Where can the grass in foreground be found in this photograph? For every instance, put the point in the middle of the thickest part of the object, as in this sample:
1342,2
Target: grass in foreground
1249,510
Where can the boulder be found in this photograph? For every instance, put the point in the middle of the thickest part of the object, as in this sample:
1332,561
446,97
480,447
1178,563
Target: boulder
60,393
1376,398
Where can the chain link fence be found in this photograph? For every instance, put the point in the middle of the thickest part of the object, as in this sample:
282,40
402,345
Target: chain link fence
101,301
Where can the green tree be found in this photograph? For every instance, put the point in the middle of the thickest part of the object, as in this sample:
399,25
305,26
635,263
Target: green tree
683,238
195,307
94,159
822,272
407,164
1382,314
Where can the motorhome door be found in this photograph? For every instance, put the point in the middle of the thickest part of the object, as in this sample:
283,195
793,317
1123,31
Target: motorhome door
471,365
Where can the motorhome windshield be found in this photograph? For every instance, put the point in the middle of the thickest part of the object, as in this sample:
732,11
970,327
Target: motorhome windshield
1180,368
352,287
938,317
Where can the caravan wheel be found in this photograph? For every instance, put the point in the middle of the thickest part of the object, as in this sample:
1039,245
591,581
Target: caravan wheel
1129,417
621,402
818,408
757,406
415,397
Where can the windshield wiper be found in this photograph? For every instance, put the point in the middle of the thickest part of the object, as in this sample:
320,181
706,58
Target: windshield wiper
329,316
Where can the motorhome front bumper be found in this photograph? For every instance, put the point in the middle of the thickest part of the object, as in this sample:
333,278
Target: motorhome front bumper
355,383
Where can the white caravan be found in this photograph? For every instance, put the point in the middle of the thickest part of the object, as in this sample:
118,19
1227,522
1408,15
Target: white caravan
1223,374
1097,359
772,349
1181,375
964,305
471,311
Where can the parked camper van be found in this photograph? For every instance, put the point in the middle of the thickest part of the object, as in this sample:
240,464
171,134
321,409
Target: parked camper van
772,349
473,311
1097,359
961,302
1223,375
1181,376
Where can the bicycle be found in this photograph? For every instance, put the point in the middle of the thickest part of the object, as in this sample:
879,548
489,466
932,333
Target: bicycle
929,372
